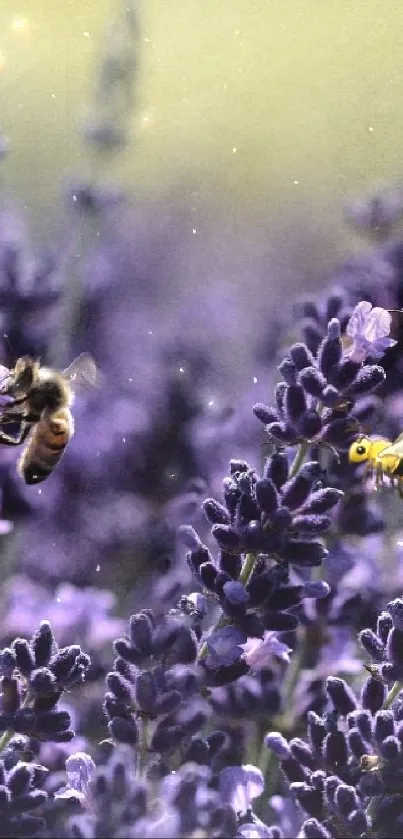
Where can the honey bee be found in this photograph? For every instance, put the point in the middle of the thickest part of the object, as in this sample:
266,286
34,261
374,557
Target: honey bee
40,406
382,458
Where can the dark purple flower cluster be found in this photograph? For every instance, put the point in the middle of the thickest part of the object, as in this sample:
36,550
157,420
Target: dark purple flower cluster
22,799
313,400
347,776
34,675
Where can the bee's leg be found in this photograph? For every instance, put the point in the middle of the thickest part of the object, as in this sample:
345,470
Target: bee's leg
7,440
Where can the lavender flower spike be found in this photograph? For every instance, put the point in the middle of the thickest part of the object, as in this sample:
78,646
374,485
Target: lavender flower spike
369,329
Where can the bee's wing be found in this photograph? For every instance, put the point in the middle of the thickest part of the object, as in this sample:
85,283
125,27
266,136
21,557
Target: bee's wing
395,449
5,376
82,374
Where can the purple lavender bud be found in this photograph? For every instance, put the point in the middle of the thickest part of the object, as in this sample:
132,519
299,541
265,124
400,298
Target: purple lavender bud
281,519
369,378
168,702
310,424
236,465
317,589
189,537
313,829
345,374
264,413
311,800
297,490
395,607
373,694
312,381
390,672
295,404
341,695
335,751
235,593
312,523
383,626
331,786
330,396
124,731
53,721
208,573
346,800
43,681
356,743
43,644
302,753
283,432
340,432
383,725
64,660
322,500
226,537
301,356
127,652
305,554
8,662
120,687
24,656
145,692
215,513
276,469
220,581
10,696
372,645
363,721
20,779
141,630
390,749
288,371
266,495
357,823
278,744
330,351
394,647
280,394
279,621
286,596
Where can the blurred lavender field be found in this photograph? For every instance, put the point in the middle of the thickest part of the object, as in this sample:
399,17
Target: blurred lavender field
201,614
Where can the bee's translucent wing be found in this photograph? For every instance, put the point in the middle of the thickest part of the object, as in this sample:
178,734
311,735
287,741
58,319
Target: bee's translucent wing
395,449
5,376
82,373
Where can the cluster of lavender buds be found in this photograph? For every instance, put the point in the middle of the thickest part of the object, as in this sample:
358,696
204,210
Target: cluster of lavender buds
346,777
258,690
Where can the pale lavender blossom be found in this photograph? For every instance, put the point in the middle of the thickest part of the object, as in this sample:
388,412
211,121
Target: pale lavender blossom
81,771
239,785
262,652
368,329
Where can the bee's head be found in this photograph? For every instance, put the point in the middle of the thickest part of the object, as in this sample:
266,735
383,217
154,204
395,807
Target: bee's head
25,375
359,450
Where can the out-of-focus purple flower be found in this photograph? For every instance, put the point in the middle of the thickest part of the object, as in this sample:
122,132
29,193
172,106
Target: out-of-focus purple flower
81,772
239,785
262,652
369,329
225,646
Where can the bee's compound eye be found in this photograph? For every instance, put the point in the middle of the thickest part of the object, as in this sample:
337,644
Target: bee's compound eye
361,450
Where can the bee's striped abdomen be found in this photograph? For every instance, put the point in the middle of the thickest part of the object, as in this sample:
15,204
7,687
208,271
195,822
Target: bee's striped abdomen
46,446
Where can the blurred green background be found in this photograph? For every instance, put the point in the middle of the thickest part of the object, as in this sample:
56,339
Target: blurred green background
264,112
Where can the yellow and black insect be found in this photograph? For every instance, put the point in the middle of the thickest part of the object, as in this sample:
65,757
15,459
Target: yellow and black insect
383,459
41,408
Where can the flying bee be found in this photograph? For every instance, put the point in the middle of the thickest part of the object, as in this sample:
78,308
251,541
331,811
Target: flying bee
382,458
41,403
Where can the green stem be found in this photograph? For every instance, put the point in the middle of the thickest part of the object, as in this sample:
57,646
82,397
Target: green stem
244,576
143,747
299,458
393,693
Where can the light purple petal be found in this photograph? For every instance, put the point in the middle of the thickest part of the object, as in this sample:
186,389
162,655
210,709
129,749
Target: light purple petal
358,317
239,785
81,770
